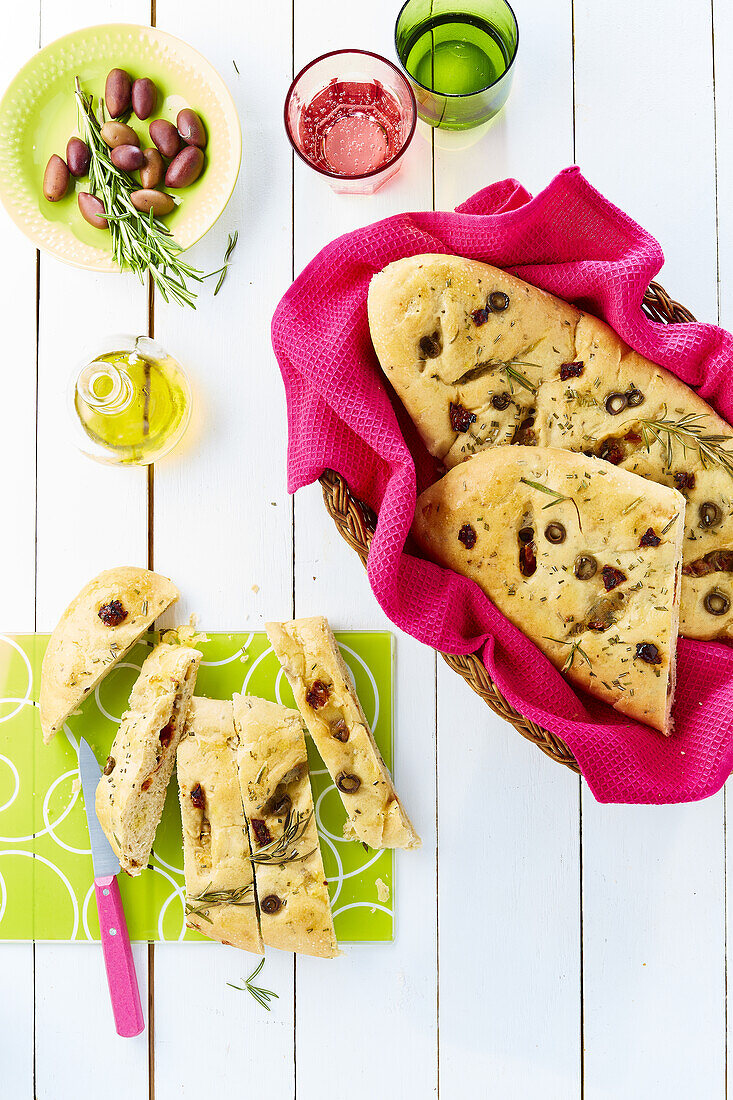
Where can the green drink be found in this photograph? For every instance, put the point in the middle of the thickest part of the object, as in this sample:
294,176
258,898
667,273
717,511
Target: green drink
458,57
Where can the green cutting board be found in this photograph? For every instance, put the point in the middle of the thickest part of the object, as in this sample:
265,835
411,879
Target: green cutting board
46,890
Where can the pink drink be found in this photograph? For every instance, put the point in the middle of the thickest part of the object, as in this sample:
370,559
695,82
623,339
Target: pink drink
351,127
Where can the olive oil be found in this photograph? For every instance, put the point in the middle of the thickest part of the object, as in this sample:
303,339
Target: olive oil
134,404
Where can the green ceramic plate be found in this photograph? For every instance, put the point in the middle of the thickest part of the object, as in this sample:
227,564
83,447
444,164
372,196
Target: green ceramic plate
39,116
46,890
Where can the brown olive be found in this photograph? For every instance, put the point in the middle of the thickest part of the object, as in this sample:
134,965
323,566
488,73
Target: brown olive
555,532
191,128
431,346
127,157
92,210
165,137
467,535
271,904
77,156
616,403
500,400
282,804
198,797
709,514
340,730
716,602
144,98
186,168
118,133
117,92
149,199
585,567
347,783
634,398
499,301
526,534
55,178
153,169
109,767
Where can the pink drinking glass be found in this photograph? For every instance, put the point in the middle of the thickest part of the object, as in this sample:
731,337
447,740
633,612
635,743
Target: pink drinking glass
351,115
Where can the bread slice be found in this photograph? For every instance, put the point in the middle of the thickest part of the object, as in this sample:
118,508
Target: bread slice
131,791
295,911
326,696
480,358
97,629
583,557
220,890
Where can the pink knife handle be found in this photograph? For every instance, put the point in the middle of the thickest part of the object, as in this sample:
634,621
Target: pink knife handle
118,960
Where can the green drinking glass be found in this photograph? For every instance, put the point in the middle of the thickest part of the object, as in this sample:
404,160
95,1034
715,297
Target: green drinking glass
459,58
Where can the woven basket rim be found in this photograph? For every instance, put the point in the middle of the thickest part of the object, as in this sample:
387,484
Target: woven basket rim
356,523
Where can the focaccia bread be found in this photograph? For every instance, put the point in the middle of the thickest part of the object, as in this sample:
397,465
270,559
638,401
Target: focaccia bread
583,557
295,910
479,358
95,631
131,791
325,694
220,889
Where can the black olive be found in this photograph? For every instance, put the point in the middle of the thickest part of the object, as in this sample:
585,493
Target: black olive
499,301
647,651
526,534
709,514
616,403
716,602
555,532
634,398
585,567
431,346
271,904
500,400
349,784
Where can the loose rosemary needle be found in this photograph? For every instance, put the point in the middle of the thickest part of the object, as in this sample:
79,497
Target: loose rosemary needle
262,996
140,243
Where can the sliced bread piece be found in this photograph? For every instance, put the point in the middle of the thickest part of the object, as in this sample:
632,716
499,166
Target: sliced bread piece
295,911
583,557
325,693
131,791
220,891
97,629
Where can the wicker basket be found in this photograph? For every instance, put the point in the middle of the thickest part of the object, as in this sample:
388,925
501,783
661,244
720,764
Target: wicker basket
356,524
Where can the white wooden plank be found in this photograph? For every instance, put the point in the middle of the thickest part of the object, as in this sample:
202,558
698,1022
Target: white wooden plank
387,992
17,549
90,517
508,811
223,518
653,892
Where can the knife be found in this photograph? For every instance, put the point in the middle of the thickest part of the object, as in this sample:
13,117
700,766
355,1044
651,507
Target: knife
121,976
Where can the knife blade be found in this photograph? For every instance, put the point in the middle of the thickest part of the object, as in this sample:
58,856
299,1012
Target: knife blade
118,960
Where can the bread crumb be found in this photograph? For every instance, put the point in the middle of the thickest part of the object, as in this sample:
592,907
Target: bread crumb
382,890
255,588
185,635
76,785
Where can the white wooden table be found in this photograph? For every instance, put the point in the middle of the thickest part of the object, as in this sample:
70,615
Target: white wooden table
546,946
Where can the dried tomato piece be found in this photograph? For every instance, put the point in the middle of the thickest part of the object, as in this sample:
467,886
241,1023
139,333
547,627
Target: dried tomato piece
598,624
112,614
260,830
632,436
146,783
527,559
317,695
647,651
109,767
460,418
198,797
649,538
467,536
480,316
524,434
612,452
612,577
166,735
683,480
571,370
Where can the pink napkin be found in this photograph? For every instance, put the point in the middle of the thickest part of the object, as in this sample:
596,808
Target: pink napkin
573,242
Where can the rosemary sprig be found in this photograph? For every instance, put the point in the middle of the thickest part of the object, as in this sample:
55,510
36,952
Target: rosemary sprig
222,271
262,996
140,243
558,498
575,647
509,366
689,432
209,899
281,850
